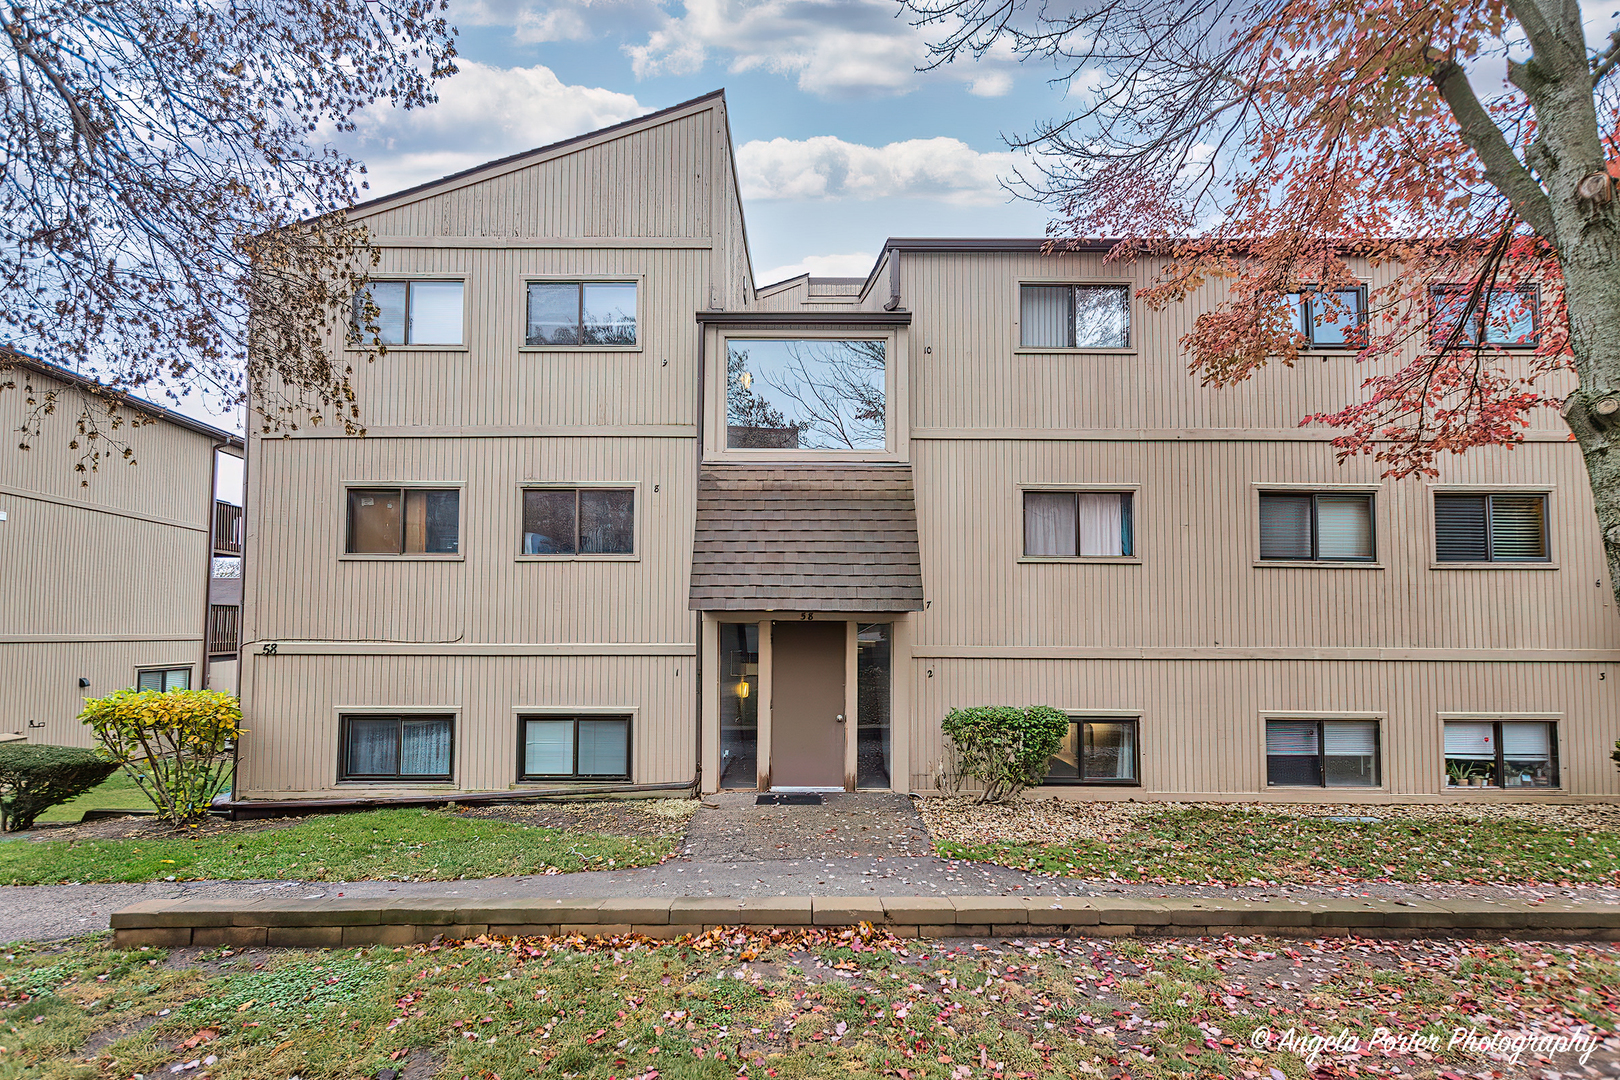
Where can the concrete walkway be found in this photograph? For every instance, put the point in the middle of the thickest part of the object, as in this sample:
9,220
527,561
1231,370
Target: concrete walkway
860,845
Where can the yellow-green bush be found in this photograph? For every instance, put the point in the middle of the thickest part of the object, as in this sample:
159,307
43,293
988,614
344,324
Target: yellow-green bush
178,745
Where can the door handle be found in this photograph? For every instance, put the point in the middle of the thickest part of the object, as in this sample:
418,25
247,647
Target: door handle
840,718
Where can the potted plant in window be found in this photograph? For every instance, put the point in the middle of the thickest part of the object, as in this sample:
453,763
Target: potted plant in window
1457,775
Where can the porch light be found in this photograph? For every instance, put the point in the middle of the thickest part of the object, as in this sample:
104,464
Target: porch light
742,688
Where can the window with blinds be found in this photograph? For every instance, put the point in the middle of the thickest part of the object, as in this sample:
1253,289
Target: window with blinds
1077,524
406,748
1490,527
1501,753
1074,316
574,748
1316,527
1322,753
163,679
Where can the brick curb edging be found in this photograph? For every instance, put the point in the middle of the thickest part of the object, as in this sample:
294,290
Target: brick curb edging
334,923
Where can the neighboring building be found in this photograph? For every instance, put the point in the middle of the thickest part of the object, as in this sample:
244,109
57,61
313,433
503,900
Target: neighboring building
619,518
105,585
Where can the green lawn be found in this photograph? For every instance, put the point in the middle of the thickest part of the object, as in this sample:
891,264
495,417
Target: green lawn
117,792
827,1004
1237,846
376,844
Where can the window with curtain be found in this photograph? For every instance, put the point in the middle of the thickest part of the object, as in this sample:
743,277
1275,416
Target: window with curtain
1501,753
579,521
1322,753
1077,524
410,313
404,521
1335,319
405,747
582,313
1097,750
1074,316
1316,526
574,748
1490,528
163,679
1508,316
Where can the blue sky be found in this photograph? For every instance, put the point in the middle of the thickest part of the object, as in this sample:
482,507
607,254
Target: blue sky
841,142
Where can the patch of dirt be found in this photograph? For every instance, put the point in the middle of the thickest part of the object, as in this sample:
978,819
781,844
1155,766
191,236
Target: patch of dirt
1058,821
731,827
638,818
100,1040
150,828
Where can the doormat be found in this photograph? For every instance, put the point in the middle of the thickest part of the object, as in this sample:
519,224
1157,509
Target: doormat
794,798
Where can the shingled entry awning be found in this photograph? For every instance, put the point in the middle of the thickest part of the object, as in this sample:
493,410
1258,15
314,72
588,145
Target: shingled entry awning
806,537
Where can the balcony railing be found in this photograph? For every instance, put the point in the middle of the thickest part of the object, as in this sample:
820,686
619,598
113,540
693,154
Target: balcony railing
224,629
227,529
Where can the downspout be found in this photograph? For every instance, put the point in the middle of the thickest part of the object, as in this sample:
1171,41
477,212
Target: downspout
208,563
697,616
894,280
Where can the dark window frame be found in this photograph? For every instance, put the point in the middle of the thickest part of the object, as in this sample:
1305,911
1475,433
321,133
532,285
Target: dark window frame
1316,546
1072,344
1127,513
348,522
1531,292
579,313
629,748
406,341
1490,538
1084,720
399,718
1300,299
1499,766
634,551
1321,751
167,670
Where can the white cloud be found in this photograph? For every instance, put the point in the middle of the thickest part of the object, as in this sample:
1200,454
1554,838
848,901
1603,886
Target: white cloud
991,84
855,264
825,167
535,22
483,113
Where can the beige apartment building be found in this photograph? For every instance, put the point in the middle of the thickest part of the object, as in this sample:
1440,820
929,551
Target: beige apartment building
107,574
624,519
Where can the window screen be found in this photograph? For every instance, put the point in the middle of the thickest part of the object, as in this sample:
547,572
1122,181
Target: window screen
1075,316
411,312
575,747
582,313
1315,526
1490,527
579,521
397,747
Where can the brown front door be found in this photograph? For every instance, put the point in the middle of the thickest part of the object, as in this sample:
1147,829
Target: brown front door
807,704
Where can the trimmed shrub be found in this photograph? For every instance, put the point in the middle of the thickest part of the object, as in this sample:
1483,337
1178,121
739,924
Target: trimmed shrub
1003,749
178,745
35,778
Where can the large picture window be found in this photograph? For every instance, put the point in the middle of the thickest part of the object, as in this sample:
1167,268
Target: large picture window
1077,524
582,313
1501,753
813,394
1074,316
1508,528
1316,527
1322,753
1097,750
1508,318
574,748
415,748
579,521
411,312
404,521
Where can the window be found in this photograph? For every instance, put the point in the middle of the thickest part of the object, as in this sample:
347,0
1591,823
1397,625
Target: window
1074,316
1314,527
1330,320
1097,750
404,521
163,679
1077,524
575,748
1490,528
581,313
1510,316
397,747
579,521
1501,753
1322,753
411,312
806,394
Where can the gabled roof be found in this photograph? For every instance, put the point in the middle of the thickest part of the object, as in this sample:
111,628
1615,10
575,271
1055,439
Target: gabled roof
62,374
527,157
